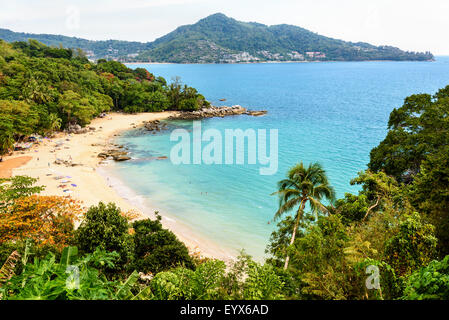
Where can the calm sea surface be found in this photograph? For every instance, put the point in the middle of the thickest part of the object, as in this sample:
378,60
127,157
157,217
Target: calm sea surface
334,113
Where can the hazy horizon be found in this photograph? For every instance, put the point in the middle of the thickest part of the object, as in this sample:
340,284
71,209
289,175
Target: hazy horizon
404,24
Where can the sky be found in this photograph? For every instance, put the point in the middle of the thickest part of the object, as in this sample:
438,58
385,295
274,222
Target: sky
413,25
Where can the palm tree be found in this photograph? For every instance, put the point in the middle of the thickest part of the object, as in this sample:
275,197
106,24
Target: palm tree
54,123
301,186
34,90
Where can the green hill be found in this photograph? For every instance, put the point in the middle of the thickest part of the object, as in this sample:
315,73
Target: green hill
220,39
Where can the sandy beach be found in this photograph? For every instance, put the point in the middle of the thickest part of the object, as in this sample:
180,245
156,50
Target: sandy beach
85,183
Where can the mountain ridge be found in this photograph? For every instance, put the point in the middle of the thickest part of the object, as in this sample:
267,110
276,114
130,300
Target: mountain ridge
221,39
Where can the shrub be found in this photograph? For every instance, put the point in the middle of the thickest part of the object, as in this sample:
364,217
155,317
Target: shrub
104,226
48,220
413,247
72,278
158,249
431,282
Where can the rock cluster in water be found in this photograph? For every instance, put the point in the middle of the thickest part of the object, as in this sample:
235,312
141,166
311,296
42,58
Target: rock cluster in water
154,126
212,112
117,153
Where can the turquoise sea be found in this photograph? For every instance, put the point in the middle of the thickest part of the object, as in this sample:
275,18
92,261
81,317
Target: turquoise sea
334,113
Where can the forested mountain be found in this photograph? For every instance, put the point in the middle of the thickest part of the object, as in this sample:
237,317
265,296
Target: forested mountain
220,39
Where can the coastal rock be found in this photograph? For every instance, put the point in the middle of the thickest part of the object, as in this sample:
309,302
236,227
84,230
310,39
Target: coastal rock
155,125
103,155
121,158
66,163
257,113
117,154
77,129
212,112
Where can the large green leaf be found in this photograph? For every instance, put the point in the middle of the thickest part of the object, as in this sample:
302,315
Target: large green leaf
124,291
69,255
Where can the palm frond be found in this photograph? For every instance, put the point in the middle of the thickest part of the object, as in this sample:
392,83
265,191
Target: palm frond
286,207
7,270
317,206
324,191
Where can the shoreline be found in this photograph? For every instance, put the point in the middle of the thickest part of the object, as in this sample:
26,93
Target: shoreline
90,182
274,62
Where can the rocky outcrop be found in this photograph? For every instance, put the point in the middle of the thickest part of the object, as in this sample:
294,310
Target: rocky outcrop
155,125
66,163
257,113
122,158
77,129
117,154
212,112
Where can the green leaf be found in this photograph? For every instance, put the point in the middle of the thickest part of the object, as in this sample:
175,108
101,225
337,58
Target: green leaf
69,255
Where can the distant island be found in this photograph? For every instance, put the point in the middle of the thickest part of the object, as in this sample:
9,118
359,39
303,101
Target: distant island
220,39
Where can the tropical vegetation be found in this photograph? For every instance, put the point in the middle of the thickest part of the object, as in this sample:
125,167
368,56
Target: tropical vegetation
45,89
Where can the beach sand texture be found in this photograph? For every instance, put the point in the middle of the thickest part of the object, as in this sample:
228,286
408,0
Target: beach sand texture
6,166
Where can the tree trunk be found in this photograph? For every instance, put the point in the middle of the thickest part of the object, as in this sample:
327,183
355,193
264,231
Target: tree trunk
292,240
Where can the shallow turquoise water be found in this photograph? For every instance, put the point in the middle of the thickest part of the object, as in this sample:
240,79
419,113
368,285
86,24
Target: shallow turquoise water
334,113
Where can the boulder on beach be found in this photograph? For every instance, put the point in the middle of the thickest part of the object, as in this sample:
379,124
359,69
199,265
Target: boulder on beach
77,129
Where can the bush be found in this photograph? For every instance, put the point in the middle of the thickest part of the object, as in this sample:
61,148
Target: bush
158,249
412,247
189,104
72,278
48,220
202,284
429,283
105,227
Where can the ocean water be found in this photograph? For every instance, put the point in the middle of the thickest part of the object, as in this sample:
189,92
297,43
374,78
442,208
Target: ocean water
333,113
